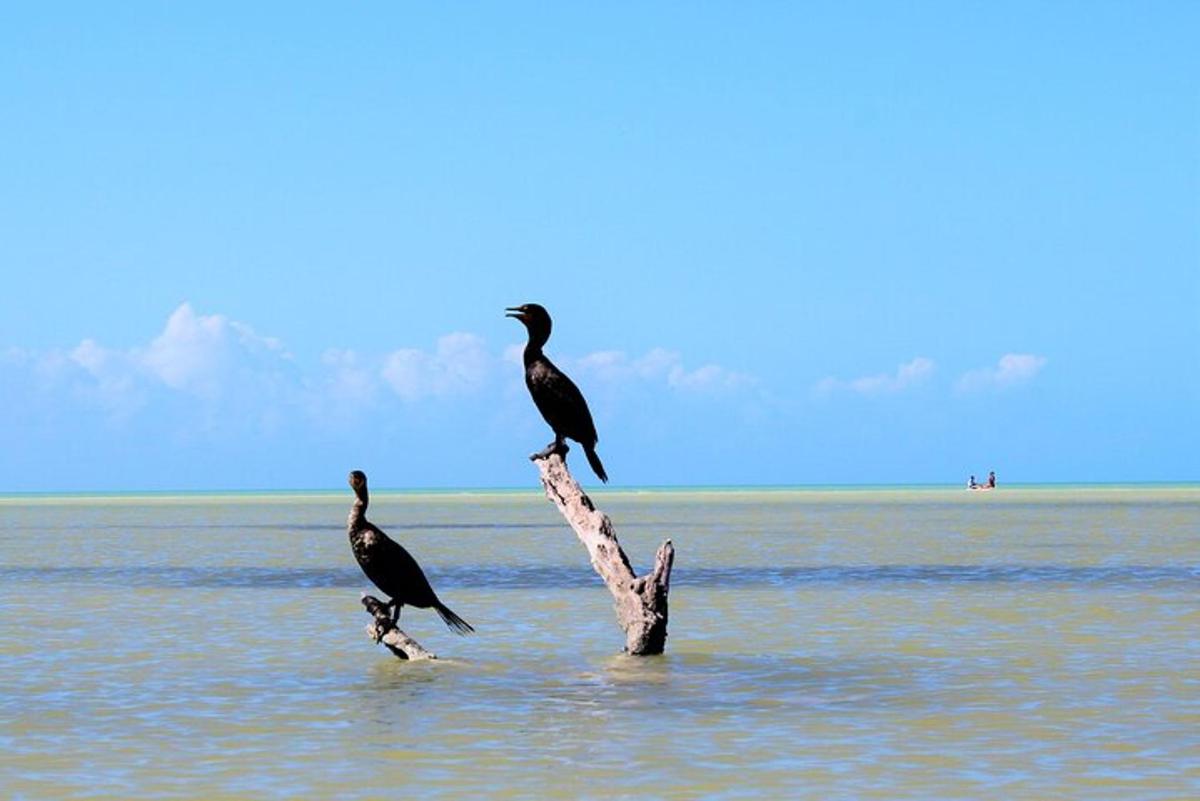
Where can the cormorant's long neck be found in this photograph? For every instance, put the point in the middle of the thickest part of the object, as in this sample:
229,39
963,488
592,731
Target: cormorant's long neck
533,352
358,512
533,348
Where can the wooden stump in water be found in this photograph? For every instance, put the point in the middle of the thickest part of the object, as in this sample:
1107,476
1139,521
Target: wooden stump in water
381,629
640,603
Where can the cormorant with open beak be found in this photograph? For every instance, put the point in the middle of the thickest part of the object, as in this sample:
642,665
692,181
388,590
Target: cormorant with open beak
555,395
389,566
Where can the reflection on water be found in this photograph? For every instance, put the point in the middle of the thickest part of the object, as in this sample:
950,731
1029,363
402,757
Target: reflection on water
821,646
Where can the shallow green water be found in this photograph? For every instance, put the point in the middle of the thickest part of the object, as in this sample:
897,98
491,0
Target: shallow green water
885,644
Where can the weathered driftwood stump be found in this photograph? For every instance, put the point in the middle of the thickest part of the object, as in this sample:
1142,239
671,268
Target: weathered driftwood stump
383,630
640,603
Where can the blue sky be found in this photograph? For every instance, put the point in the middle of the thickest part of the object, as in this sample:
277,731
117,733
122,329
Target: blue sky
256,247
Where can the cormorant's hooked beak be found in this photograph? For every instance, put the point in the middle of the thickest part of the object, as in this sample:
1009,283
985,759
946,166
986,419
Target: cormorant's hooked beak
519,315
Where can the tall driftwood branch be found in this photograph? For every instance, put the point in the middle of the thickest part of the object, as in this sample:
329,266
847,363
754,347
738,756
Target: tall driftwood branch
640,603
383,630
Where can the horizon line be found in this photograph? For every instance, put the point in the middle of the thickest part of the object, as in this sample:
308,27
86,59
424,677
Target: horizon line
637,488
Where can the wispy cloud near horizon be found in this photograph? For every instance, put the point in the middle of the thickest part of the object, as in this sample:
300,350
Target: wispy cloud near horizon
907,375
1011,370
459,364
207,357
226,371
658,366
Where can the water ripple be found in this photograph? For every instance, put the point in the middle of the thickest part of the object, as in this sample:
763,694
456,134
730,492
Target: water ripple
564,577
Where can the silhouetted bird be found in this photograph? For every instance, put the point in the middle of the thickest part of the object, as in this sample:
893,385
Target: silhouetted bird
555,395
390,566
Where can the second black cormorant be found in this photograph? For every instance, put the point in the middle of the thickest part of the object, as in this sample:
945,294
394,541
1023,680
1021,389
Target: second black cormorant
389,566
555,395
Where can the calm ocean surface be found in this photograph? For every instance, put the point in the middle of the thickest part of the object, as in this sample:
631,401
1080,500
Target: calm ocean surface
1019,644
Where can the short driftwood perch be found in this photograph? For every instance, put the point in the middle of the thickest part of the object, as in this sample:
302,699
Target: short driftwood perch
640,603
383,630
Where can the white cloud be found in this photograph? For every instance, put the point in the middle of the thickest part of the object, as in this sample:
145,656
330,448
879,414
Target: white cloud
659,366
907,375
200,352
113,374
349,378
514,354
209,373
1011,370
208,356
91,357
460,364
14,356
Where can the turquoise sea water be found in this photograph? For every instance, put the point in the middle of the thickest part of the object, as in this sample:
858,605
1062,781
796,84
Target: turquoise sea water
1032,642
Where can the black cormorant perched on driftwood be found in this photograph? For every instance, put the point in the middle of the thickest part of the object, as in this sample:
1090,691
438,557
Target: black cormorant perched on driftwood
555,395
389,566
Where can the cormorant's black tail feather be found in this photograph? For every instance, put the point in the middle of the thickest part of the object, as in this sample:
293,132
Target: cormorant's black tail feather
456,623
594,461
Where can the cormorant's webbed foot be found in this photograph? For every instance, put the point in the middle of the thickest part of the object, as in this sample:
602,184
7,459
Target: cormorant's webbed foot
558,446
395,606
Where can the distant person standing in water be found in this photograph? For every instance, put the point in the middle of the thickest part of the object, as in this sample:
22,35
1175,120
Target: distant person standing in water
971,483
991,479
